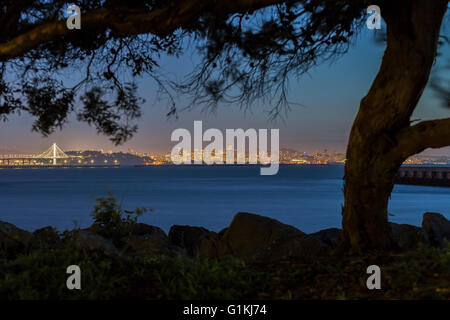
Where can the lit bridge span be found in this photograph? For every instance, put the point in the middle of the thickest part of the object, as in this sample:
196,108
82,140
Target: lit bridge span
54,157
48,157
54,152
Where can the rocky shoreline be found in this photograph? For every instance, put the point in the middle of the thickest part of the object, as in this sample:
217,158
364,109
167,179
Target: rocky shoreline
249,237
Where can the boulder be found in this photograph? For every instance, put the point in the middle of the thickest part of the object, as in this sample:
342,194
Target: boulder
329,237
95,227
146,244
13,240
256,238
137,229
197,240
146,239
405,237
88,240
436,227
140,229
46,238
222,232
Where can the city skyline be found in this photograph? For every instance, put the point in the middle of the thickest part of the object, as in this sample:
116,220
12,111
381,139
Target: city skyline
55,156
131,150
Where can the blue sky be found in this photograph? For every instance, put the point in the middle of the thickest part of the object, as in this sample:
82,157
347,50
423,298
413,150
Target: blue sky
330,95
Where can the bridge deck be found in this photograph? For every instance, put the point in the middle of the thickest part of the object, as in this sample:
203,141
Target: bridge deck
59,166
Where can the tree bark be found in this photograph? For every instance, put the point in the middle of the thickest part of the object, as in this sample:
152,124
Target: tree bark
377,146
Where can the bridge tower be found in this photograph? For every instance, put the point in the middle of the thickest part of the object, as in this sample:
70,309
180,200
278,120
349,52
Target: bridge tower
54,152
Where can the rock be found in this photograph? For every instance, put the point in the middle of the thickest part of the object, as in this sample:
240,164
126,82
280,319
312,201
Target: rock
13,240
405,236
128,228
91,241
436,227
222,232
329,237
258,238
196,240
140,229
145,244
46,238
95,227
146,239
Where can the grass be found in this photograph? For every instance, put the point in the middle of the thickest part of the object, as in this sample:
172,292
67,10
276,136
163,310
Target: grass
420,274
42,275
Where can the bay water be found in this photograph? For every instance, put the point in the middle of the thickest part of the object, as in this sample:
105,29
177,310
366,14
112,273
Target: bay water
307,197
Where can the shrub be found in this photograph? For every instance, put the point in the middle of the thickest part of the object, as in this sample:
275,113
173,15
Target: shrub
112,219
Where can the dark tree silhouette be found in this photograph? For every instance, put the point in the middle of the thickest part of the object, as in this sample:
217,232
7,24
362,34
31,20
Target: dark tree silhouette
249,49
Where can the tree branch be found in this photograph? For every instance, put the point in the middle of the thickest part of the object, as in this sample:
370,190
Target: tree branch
160,22
427,134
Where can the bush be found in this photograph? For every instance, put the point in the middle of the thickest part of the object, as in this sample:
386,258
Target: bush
112,219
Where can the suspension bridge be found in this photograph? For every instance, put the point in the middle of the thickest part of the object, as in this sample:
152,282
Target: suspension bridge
52,157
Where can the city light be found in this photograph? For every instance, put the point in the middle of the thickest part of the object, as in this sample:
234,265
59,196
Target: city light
56,157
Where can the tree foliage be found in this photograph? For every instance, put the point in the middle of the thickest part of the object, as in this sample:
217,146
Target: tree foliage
249,49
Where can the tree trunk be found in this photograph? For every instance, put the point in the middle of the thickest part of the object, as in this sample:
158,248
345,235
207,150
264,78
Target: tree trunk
373,152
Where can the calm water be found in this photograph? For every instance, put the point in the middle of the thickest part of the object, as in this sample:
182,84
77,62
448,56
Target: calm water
309,198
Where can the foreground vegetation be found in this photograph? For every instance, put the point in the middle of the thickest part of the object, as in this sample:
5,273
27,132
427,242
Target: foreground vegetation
40,272
419,274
